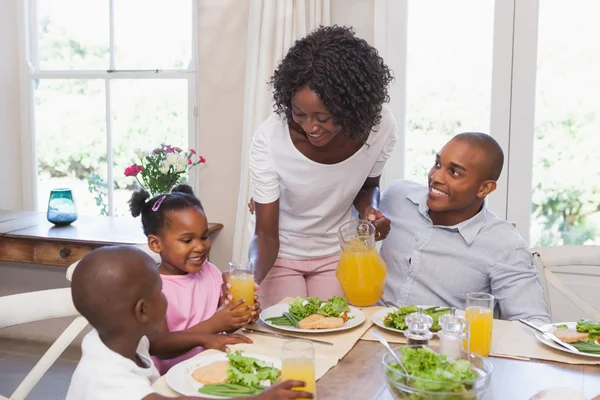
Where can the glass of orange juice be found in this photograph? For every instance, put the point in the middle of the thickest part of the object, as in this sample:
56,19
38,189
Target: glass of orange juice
298,363
241,277
479,314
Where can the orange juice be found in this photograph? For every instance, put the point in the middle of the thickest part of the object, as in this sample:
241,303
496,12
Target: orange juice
242,287
361,273
301,369
481,329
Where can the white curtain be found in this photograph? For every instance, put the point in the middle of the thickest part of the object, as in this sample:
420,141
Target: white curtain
273,27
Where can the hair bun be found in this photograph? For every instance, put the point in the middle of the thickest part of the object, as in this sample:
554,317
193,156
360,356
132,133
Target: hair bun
183,188
137,202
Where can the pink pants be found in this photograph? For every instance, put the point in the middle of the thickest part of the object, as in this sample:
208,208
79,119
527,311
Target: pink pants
300,278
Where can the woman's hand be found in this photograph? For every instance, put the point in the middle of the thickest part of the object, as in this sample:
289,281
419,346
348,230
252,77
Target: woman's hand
227,297
220,341
251,205
381,222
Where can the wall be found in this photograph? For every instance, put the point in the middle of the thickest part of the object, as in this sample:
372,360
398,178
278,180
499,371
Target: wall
222,29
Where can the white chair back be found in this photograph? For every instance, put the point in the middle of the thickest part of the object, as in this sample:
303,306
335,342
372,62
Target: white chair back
38,306
570,276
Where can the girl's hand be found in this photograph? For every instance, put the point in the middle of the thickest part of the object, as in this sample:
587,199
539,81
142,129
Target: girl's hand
220,341
284,391
381,222
231,317
227,297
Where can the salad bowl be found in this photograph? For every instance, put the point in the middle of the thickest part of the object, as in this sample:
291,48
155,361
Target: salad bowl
432,376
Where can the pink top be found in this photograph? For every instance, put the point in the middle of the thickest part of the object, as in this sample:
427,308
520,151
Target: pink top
193,298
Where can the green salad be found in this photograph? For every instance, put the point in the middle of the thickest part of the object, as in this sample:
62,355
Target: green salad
436,373
396,319
301,308
247,376
593,343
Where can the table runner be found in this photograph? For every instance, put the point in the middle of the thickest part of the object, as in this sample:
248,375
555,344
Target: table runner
510,339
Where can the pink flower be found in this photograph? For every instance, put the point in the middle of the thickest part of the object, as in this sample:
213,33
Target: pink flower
133,170
189,161
202,159
192,151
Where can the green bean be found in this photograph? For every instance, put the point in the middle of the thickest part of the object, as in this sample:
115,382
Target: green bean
292,319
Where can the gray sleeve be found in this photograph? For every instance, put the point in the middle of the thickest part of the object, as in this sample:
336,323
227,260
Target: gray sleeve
516,286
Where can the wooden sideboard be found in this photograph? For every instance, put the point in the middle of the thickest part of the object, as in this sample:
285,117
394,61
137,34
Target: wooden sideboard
28,237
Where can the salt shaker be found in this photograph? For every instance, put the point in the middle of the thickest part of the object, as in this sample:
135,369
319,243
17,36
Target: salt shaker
452,335
418,325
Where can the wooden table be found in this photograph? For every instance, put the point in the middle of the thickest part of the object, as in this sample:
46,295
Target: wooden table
359,376
28,237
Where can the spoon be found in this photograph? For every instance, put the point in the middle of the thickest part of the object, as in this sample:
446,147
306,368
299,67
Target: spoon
387,346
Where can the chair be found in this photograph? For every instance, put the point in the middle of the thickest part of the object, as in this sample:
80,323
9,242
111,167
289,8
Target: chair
570,273
38,306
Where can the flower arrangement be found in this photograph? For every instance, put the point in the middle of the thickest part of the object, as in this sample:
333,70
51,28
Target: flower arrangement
160,170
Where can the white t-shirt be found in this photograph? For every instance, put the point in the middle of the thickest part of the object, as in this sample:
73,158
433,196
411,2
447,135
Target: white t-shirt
314,199
103,374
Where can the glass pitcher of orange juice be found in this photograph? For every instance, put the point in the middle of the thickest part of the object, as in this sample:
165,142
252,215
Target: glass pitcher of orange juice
361,271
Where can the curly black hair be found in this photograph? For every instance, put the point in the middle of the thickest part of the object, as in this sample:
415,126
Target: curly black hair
345,71
181,197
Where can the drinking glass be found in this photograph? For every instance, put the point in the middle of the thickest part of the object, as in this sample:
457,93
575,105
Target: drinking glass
479,313
241,277
298,363
61,207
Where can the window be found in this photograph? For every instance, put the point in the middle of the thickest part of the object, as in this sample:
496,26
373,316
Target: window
523,71
566,166
449,76
107,78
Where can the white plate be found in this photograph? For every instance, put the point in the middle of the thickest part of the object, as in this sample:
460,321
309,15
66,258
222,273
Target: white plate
278,309
380,315
179,377
548,342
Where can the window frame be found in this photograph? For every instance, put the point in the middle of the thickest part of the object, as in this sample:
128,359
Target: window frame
30,72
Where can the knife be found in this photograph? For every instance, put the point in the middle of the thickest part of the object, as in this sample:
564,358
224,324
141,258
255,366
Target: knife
281,335
550,335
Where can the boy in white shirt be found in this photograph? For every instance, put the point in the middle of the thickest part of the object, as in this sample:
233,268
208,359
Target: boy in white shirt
118,290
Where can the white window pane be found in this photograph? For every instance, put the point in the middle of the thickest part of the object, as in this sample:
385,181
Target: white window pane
70,122
145,113
449,76
566,164
153,34
73,34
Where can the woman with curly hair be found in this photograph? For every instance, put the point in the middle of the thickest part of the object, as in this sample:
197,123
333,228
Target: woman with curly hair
321,153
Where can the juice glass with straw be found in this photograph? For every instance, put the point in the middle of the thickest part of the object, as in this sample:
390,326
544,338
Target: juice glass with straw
479,313
241,277
298,363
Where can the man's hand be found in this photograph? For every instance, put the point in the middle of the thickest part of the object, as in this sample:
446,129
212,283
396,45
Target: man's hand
220,341
227,297
381,222
283,391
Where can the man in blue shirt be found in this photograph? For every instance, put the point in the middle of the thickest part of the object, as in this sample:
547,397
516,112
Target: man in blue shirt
444,241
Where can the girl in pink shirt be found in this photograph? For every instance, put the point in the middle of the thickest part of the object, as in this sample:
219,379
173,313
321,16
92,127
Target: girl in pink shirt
177,230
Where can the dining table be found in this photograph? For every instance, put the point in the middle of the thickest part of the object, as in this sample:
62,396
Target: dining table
358,375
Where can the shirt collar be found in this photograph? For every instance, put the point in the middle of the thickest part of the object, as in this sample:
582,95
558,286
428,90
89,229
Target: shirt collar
468,229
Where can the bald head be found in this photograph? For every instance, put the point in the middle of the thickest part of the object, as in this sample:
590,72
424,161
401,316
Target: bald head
108,283
494,159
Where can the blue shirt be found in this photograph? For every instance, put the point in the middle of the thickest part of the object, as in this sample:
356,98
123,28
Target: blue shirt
438,265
